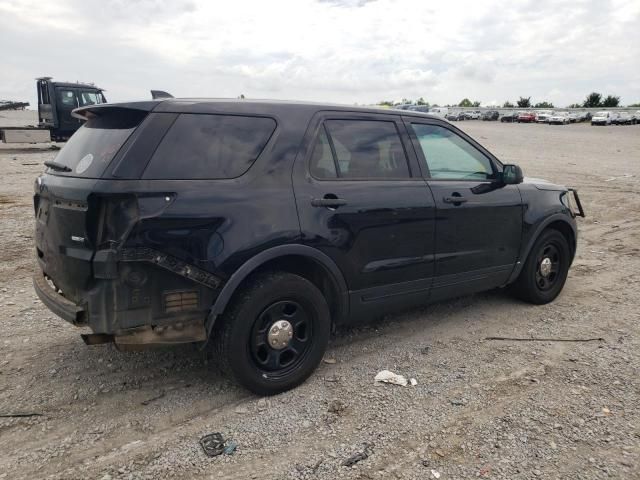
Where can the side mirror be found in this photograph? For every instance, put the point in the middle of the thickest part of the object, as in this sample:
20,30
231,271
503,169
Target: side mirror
512,174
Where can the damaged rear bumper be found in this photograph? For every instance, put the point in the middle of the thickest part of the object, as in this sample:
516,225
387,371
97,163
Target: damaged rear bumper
55,302
125,339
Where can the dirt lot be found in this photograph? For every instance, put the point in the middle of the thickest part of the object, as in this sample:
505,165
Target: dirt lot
488,409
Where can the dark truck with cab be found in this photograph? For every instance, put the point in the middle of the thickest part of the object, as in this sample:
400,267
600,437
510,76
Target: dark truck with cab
56,102
256,226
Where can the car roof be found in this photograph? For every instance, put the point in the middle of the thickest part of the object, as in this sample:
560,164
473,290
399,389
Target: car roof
256,107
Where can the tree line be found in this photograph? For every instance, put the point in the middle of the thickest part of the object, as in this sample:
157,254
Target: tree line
593,100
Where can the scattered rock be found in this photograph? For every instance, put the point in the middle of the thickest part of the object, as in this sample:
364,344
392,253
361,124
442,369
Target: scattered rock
336,406
329,361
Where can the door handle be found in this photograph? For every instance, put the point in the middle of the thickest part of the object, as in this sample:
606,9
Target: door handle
328,201
454,199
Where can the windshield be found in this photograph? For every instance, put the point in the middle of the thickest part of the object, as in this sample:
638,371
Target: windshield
601,114
93,146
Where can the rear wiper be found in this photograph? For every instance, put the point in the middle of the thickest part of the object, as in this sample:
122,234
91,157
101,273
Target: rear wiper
57,166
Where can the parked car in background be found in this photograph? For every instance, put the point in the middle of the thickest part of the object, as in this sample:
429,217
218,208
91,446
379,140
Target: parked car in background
490,115
403,106
636,116
542,116
573,117
624,118
418,108
439,111
526,117
559,118
602,118
585,117
509,117
475,115
455,116
259,227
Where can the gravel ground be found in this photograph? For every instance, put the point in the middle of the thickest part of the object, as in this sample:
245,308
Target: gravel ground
481,408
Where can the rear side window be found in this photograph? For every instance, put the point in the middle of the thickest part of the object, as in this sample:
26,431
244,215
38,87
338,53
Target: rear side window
364,149
199,146
322,163
93,146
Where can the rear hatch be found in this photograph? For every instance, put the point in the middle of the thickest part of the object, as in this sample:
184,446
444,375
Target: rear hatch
66,213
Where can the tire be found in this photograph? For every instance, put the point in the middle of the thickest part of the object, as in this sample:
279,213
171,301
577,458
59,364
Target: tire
241,336
532,285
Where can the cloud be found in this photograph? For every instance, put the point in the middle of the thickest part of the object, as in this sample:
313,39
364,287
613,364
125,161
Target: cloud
334,50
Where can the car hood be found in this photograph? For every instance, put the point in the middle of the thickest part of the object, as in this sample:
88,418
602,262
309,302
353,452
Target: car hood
542,184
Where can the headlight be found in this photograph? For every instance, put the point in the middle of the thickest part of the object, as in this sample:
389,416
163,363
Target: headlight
571,200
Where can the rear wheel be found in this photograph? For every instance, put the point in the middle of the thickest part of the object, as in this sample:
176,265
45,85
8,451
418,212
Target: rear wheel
274,334
545,270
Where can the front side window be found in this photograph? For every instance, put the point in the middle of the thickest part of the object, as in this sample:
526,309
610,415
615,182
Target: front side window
199,146
67,98
366,149
449,156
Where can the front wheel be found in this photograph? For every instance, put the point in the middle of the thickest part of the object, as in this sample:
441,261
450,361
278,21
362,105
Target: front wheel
274,334
545,270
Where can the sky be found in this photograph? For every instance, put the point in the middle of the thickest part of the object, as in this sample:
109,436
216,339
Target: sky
343,51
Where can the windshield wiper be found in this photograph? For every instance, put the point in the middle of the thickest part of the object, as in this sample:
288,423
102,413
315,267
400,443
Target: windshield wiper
57,166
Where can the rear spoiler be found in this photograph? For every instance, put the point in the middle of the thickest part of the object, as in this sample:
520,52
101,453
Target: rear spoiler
91,111
160,94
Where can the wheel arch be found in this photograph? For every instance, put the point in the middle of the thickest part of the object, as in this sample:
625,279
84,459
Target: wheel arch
302,260
558,222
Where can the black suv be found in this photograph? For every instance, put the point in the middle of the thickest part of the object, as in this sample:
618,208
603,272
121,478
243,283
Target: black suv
490,115
261,225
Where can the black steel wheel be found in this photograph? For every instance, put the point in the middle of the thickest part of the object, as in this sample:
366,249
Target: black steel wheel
547,267
545,271
274,333
281,337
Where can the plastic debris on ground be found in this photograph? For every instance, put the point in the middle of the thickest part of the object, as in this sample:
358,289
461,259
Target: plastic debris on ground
214,444
385,376
359,456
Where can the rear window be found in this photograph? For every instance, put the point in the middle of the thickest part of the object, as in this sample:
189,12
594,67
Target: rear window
203,146
93,146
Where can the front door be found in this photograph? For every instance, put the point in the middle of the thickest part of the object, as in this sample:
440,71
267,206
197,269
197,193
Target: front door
66,102
362,201
479,219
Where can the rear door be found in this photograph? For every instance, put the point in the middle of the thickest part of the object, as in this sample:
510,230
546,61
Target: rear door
479,219
361,200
